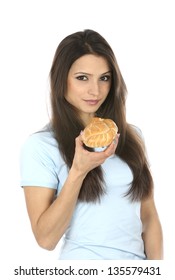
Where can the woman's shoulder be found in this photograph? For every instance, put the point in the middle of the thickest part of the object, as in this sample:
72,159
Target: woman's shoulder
40,159
41,142
136,129
45,136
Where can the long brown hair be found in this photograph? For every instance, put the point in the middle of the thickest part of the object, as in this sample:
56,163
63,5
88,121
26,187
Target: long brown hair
67,125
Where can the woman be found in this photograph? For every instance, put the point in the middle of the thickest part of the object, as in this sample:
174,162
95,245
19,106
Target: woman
101,202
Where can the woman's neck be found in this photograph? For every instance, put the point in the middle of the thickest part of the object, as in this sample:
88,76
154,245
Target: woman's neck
86,118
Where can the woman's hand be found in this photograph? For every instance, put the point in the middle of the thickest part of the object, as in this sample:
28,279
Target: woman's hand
84,161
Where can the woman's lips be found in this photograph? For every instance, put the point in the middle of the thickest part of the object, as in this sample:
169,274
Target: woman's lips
91,102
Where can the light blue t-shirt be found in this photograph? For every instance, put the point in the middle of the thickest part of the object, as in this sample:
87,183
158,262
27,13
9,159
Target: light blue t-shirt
108,230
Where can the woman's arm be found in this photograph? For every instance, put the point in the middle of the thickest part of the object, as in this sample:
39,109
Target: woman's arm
50,218
152,231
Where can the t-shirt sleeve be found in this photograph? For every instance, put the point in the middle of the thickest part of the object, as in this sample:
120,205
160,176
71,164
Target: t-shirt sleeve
139,132
37,167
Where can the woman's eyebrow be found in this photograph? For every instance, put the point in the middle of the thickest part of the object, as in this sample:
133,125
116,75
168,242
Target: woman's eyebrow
85,73
108,72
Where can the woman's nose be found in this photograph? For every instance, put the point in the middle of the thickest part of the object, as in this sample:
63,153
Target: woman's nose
93,89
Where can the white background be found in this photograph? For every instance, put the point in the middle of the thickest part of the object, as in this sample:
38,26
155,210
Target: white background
141,34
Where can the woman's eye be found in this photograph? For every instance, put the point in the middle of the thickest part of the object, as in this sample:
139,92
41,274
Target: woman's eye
105,78
82,78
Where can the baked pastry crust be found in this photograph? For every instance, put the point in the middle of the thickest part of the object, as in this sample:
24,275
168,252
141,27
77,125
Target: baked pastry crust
99,132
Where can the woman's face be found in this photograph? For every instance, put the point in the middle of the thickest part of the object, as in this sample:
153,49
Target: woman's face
88,84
